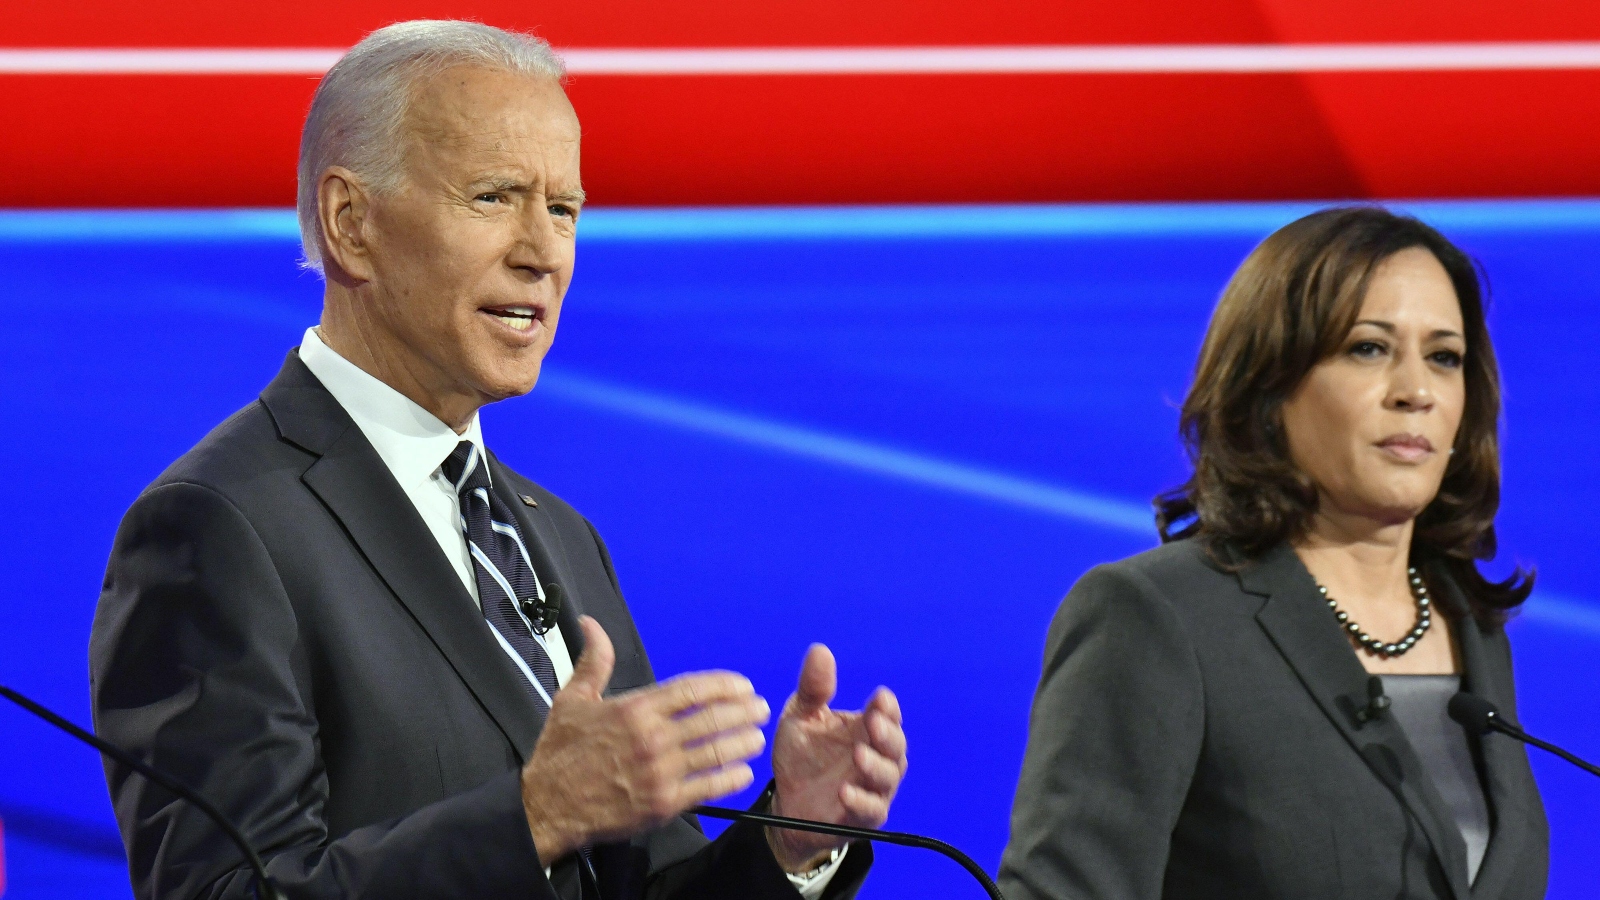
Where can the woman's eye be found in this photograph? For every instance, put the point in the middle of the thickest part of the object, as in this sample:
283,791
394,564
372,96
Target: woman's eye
1449,359
1366,349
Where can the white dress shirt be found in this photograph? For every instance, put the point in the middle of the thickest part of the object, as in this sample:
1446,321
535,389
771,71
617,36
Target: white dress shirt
414,444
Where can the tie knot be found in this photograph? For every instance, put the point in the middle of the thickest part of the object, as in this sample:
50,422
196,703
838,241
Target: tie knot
466,468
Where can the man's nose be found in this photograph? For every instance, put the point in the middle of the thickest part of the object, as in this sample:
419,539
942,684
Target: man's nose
539,247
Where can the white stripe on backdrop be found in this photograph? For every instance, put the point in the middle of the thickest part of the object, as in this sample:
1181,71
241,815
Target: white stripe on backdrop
1148,59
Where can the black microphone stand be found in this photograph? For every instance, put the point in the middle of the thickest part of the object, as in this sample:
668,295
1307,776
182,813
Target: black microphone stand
264,887
1480,717
860,834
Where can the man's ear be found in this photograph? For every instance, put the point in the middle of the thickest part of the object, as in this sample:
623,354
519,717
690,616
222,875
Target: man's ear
343,205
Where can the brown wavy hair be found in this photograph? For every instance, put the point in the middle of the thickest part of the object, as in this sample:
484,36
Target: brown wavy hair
1289,306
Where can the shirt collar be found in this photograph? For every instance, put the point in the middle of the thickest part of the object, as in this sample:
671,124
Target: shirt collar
411,441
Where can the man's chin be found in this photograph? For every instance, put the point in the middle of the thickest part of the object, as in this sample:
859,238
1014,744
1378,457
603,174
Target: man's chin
506,385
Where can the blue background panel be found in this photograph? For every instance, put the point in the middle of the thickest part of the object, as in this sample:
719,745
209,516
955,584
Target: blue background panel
900,431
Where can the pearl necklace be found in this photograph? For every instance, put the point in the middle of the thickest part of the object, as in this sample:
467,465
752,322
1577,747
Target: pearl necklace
1375,646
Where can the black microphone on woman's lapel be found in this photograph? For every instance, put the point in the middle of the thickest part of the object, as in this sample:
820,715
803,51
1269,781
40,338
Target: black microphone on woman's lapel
1377,702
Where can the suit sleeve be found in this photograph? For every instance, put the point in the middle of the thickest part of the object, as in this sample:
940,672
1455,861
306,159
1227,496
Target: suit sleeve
676,862
1113,741
196,666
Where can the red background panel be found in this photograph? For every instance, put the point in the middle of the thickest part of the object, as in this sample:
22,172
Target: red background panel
957,138
1437,134
159,140
183,140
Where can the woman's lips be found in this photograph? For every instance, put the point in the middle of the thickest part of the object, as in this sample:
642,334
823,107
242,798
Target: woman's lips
1407,447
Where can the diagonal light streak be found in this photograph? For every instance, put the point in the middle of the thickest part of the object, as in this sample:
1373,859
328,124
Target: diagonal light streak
1545,608
903,465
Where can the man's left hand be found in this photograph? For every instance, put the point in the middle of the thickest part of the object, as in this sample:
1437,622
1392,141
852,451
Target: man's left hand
832,766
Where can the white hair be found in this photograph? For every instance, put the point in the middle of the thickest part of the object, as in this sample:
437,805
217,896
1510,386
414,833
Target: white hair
358,116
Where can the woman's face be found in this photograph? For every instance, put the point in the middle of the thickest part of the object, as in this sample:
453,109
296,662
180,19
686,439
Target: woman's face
1373,424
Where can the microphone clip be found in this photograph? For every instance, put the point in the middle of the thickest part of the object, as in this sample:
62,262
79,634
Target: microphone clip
542,612
1377,702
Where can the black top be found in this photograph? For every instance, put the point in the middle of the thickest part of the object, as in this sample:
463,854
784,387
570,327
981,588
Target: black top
1194,736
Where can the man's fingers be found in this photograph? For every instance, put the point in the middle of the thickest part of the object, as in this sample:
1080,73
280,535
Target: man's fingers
876,772
886,702
592,672
725,716
675,695
864,806
819,680
719,783
886,736
725,750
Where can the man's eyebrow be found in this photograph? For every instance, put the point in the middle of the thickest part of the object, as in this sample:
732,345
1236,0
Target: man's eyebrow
510,184
575,196
499,183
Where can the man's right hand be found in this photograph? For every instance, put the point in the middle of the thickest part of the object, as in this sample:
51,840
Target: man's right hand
606,769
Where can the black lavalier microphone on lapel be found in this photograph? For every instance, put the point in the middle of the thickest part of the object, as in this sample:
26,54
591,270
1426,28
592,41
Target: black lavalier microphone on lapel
1377,702
542,613
265,887
1479,717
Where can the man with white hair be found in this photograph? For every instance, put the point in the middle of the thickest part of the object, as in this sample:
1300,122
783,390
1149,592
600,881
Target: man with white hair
401,668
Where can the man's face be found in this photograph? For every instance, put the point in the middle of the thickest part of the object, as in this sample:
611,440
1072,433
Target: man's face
470,256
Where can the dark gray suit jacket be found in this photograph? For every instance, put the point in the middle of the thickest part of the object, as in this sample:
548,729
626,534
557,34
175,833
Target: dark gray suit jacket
1194,736
279,629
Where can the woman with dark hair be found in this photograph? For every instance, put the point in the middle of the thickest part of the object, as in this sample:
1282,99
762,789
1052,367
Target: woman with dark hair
1256,708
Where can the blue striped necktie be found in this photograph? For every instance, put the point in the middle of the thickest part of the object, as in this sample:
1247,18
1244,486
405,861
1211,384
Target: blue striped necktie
504,572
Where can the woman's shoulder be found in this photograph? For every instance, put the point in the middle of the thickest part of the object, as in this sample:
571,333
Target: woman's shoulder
1181,568
1166,586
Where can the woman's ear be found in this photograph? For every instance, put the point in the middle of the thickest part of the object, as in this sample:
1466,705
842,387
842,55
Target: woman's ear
343,204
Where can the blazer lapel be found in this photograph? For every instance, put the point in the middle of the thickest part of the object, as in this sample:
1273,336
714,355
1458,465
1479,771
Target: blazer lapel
352,480
549,556
1507,778
1298,623
551,561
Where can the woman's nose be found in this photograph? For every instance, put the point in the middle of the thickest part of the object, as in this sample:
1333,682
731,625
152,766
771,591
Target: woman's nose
1409,387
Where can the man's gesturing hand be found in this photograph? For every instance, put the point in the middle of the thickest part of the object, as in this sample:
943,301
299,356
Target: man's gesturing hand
608,769
831,766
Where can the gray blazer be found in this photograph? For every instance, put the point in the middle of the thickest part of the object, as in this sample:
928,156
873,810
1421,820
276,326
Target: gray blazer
279,630
1194,736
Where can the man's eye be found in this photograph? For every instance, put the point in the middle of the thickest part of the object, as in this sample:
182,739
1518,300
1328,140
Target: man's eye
490,198
559,209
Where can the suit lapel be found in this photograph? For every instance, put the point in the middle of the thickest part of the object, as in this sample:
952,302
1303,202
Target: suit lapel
353,482
1298,623
553,563
549,556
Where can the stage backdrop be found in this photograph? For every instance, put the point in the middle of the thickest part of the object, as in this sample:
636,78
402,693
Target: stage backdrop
904,432
184,103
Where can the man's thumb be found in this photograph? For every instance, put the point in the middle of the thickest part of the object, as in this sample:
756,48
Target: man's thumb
592,672
819,679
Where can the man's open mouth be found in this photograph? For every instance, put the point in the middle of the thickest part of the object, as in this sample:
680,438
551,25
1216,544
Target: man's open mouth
520,318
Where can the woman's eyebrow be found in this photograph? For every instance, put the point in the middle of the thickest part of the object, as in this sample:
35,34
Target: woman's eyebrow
1389,327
